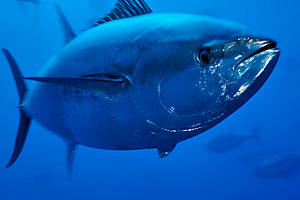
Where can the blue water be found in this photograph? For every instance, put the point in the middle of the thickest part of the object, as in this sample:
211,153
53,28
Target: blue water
33,34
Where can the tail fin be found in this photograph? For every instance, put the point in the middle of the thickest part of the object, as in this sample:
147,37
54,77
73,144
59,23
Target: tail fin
24,119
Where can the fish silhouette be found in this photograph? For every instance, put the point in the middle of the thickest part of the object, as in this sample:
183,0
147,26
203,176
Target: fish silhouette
141,80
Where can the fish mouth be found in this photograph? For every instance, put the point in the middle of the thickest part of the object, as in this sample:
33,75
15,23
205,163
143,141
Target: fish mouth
269,45
252,71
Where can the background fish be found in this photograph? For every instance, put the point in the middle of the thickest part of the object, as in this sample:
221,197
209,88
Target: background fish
282,165
222,143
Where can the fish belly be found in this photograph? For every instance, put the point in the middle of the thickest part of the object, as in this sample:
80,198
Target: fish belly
91,118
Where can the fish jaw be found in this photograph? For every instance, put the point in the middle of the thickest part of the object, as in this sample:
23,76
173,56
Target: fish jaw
250,74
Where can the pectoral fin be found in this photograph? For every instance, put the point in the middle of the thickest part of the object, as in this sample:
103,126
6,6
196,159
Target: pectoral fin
87,79
165,150
71,149
103,84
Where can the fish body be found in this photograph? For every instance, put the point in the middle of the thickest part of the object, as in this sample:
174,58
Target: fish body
283,165
112,115
227,142
139,80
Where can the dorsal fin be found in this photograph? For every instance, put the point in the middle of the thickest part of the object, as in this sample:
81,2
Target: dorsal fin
67,29
126,9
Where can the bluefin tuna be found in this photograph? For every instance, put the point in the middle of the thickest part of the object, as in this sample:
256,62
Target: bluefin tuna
282,165
226,142
141,80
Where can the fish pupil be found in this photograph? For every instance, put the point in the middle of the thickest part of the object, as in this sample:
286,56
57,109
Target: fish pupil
204,56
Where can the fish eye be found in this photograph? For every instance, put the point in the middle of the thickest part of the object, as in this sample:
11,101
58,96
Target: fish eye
205,56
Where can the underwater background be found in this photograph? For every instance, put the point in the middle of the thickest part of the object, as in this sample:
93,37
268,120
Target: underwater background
33,34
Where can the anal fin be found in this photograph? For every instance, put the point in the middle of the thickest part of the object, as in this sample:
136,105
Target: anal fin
165,150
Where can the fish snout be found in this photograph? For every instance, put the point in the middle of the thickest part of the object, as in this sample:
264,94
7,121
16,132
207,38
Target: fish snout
253,69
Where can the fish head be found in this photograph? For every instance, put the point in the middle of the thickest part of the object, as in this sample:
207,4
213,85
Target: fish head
208,69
